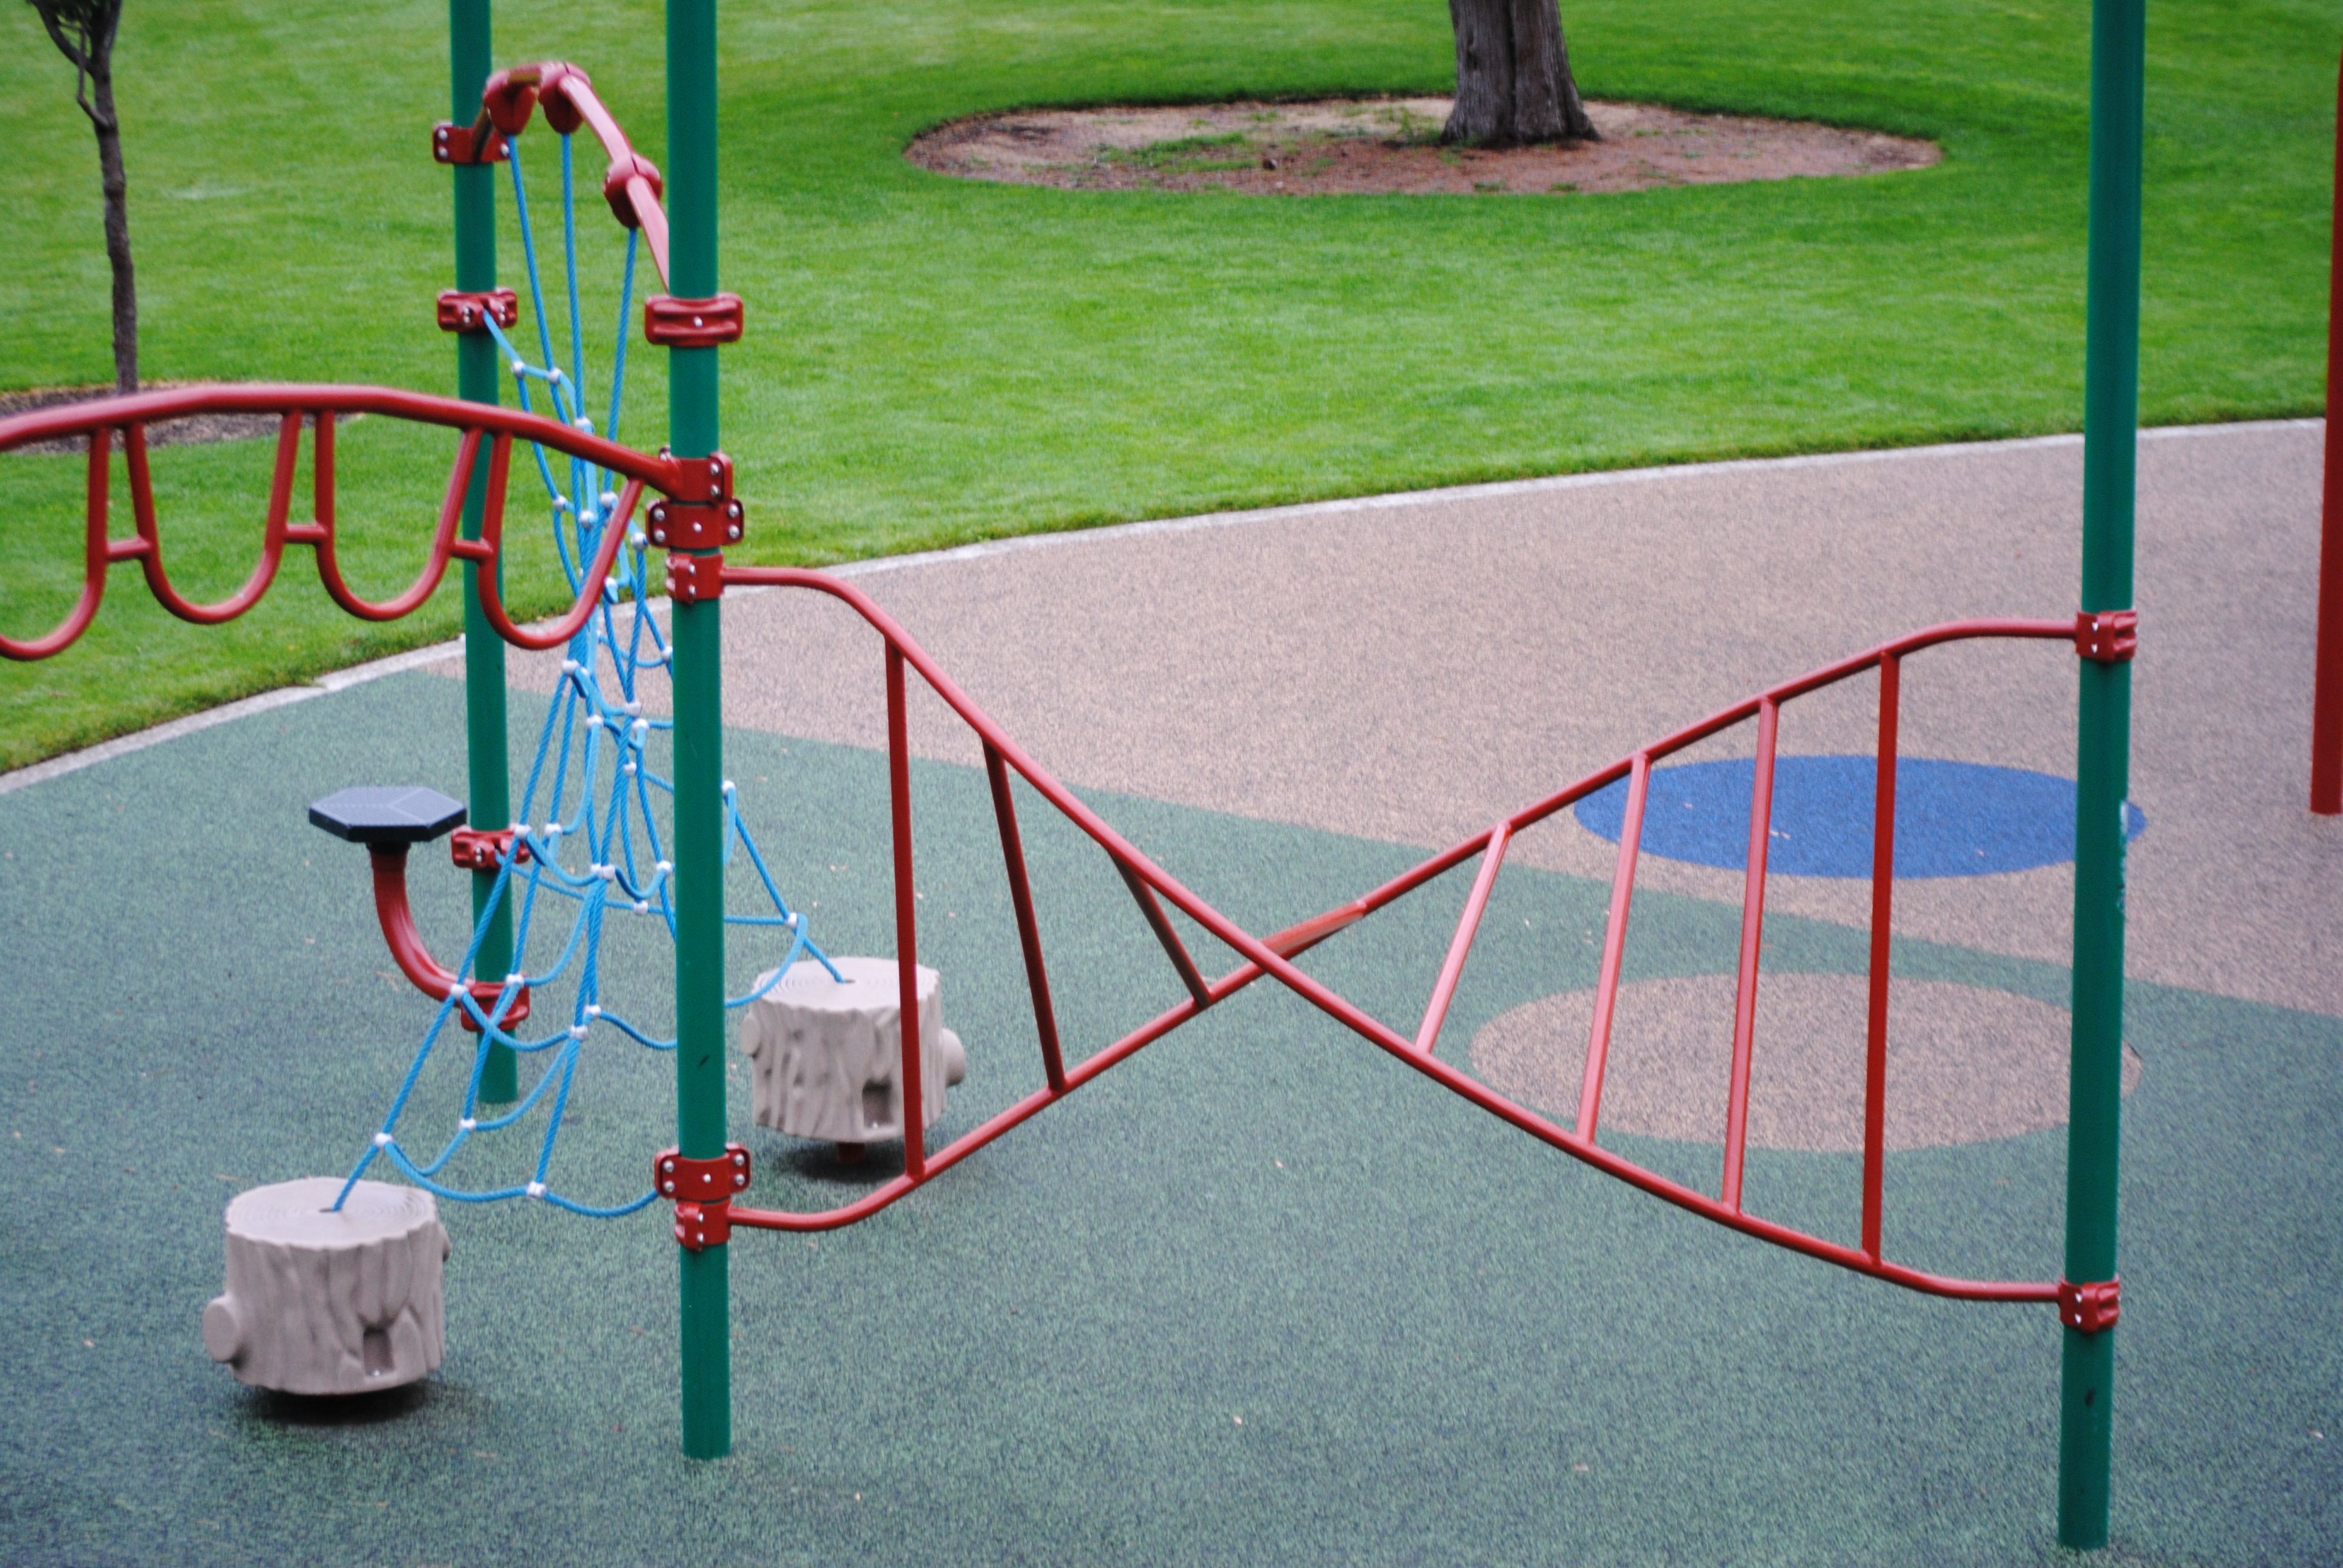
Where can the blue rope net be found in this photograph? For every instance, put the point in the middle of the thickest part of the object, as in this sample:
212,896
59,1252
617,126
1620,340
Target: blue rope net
593,780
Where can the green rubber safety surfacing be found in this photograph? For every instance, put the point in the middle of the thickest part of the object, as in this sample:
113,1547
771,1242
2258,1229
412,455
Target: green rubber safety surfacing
1259,1294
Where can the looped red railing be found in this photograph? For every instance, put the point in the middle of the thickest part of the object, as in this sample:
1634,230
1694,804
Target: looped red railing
1272,956
102,423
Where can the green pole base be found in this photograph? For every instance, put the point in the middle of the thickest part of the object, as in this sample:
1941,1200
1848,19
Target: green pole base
706,1346
2085,1434
501,1079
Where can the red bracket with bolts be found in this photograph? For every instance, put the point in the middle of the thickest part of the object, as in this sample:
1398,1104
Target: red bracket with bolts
672,323
691,578
471,312
478,850
703,1191
708,520
474,143
2090,1308
2106,636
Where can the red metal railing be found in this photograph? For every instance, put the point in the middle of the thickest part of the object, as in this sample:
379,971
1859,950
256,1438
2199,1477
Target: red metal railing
1272,956
124,420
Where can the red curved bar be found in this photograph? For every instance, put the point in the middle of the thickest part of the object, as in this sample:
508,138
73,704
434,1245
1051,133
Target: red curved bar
1270,958
272,546
98,552
414,960
631,185
295,404
561,630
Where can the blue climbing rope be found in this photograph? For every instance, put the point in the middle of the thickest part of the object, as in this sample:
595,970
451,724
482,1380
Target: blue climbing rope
591,778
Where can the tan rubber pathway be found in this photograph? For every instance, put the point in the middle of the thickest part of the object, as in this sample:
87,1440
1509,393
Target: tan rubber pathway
1411,667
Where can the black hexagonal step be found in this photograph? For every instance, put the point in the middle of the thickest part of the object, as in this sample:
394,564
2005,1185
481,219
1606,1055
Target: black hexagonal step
383,817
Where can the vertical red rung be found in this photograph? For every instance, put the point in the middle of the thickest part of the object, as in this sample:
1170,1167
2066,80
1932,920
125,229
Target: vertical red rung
1752,933
1615,946
906,936
1883,897
321,471
1029,932
2326,681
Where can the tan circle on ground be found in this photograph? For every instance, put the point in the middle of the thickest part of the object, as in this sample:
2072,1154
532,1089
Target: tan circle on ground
1965,1065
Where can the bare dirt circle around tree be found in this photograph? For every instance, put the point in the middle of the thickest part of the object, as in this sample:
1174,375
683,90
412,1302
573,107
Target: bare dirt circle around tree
1390,146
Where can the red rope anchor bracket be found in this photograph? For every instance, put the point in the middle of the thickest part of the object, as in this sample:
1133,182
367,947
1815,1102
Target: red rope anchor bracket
2106,636
2090,1308
703,1192
454,144
480,850
463,311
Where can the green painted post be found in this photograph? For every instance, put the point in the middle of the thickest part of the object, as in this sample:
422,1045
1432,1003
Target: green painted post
705,1286
479,374
2111,451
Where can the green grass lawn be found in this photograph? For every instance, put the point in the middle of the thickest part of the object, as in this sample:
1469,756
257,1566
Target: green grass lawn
930,361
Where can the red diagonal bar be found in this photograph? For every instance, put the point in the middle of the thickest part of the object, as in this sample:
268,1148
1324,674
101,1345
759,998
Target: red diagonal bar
1615,946
1452,968
1029,930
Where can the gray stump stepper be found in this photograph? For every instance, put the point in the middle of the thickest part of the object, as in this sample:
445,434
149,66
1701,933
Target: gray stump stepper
326,1302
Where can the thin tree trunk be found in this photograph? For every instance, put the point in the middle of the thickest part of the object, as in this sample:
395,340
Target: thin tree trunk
1513,83
118,227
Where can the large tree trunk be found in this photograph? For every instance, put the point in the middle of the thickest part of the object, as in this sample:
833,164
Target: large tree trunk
118,227
1512,76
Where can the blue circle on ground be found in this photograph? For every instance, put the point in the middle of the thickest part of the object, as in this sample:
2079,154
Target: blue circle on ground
1952,818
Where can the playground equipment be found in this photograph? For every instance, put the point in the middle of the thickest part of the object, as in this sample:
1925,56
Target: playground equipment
697,516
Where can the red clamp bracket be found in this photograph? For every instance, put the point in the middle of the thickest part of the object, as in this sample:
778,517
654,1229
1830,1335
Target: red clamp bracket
2106,636
463,311
453,144
2090,1308
485,994
691,578
703,1191
476,849
672,323
707,521
629,165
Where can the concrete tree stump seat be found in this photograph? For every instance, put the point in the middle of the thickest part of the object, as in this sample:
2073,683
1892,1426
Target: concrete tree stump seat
321,1302
826,1053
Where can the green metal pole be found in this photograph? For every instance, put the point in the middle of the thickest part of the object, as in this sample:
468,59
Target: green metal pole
478,377
2110,450
705,1287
